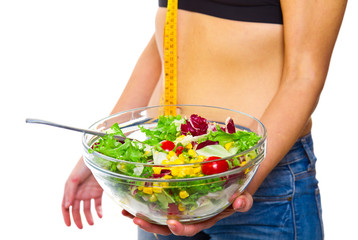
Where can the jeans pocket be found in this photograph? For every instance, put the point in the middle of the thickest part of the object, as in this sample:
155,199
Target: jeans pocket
277,186
308,147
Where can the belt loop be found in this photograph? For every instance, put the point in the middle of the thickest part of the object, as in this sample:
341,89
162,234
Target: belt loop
310,155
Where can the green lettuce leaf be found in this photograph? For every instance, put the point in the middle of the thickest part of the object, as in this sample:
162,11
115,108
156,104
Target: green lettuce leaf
243,140
166,129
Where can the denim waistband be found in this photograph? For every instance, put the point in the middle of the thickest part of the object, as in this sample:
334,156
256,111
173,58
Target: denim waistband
305,139
303,145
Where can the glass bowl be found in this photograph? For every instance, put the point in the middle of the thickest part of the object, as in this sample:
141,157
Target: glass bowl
189,199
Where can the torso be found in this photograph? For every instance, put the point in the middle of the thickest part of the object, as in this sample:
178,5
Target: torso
232,64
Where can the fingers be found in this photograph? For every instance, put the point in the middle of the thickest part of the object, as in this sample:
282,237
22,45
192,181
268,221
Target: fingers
68,199
243,203
77,176
98,206
127,214
76,214
87,211
190,230
184,230
66,213
69,193
146,226
176,227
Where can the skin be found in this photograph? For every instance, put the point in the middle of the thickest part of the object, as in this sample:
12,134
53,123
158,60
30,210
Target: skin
273,72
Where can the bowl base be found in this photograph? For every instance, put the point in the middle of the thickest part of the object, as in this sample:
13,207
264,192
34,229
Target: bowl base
192,220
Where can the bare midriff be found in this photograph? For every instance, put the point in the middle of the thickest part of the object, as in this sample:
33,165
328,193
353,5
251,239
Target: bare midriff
225,63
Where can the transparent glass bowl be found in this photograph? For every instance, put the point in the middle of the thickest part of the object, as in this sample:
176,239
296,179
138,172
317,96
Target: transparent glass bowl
156,199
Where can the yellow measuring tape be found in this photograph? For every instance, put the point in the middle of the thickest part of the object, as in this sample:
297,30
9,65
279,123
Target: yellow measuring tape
170,58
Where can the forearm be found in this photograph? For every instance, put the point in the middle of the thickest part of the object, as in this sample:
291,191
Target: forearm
143,80
309,38
137,92
285,119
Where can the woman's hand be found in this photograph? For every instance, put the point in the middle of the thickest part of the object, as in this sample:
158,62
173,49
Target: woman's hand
81,186
242,203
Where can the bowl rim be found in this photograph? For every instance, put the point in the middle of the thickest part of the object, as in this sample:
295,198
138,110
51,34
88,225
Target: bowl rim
233,171
260,143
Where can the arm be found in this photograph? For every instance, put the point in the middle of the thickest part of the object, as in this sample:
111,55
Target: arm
143,80
310,32
81,185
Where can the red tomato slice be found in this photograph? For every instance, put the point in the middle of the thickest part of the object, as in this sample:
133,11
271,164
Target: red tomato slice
167,145
214,167
211,158
179,150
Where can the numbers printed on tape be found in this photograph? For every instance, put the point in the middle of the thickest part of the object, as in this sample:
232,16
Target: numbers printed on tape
170,58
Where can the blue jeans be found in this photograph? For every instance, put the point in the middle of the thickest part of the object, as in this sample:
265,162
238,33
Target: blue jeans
286,206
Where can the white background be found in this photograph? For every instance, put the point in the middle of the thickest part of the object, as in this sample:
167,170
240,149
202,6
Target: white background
68,61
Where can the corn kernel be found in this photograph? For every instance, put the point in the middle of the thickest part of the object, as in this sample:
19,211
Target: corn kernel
189,146
181,137
200,158
175,171
167,177
157,189
182,174
183,194
165,162
192,153
188,170
164,184
182,157
181,207
196,170
228,145
121,167
148,190
178,161
170,155
153,198
157,170
140,188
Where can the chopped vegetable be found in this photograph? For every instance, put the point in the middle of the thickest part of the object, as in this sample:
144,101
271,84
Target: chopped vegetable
214,167
178,148
167,145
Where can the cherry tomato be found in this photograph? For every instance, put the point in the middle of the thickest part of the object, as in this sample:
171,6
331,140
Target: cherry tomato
179,150
214,167
167,145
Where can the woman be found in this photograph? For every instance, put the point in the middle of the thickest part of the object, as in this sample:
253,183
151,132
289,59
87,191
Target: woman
265,58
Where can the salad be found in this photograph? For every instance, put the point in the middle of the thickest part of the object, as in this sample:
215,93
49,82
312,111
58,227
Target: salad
179,148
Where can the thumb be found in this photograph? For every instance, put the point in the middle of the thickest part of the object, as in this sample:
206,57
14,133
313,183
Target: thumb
70,191
243,203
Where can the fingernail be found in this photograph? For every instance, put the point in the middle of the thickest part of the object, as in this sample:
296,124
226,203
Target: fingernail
137,223
172,227
240,205
100,212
